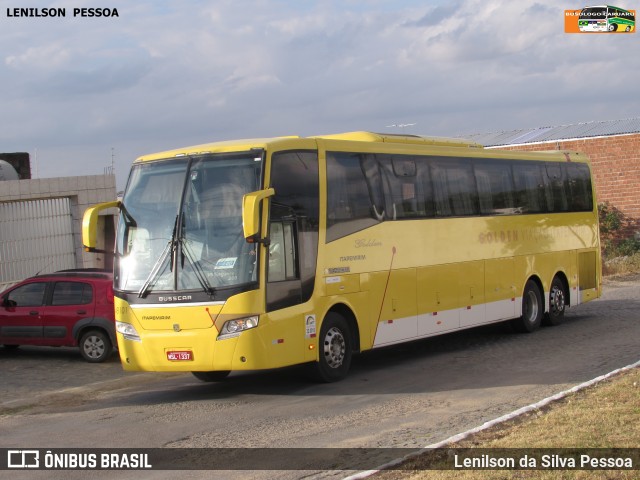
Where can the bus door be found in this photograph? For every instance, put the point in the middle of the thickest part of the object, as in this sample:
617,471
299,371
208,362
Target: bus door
283,280
293,228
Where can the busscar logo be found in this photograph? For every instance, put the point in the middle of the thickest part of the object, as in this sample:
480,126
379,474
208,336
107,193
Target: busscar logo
174,298
23,459
600,19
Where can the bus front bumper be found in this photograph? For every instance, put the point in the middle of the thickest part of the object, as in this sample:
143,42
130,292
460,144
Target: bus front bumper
194,350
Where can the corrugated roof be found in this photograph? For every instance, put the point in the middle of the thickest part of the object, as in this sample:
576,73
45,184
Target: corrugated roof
561,132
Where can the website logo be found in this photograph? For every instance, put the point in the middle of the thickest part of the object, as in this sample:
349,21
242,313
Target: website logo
600,19
23,459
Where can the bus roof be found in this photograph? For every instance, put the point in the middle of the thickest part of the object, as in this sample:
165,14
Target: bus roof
396,138
259,143
406,142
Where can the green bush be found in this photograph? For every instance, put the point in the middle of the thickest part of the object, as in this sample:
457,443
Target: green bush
626,247
610,218
612,225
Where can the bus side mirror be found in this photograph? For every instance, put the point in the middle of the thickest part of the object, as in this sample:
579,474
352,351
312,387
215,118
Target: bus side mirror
90,224
251,213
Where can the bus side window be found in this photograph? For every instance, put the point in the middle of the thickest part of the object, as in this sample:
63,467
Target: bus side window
454,187
554,188
282,260
349,201
495,188
441,191
529,187
373,178
406,186
578,185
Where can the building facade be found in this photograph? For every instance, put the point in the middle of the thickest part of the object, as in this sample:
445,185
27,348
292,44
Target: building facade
41,225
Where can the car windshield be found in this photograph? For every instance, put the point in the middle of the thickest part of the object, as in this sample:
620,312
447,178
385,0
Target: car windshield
180,226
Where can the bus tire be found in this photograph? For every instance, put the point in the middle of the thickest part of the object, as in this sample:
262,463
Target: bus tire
211,376
557,303
335,350
613,27
532,309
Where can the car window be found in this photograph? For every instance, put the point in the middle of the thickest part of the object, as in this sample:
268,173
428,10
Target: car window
29,295
71,293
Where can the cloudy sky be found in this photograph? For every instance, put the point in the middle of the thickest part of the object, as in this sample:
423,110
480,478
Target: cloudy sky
170,73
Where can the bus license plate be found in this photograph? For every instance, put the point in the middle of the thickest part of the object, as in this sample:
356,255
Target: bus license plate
180,356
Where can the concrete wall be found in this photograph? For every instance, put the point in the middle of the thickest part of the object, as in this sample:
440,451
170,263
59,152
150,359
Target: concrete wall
615,162
83,192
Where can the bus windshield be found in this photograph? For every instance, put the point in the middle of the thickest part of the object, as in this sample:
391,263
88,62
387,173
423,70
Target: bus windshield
181,225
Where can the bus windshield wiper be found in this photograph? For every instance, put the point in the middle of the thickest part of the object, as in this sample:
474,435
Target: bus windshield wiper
197,268
155,271
186,252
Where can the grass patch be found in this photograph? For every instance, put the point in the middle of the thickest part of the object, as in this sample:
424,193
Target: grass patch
605,415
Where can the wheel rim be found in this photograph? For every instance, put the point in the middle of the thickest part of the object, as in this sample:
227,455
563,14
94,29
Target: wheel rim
557,300
335,347
531,307
94,347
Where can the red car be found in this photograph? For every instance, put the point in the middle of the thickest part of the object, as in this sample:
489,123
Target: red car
66,308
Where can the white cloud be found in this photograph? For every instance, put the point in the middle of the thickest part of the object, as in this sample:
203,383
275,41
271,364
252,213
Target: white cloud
42,57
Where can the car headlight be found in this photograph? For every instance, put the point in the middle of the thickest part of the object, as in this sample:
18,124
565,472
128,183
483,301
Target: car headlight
239,325
128,331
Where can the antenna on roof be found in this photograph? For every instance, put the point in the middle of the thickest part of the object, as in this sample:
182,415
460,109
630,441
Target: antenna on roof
48,265
401,125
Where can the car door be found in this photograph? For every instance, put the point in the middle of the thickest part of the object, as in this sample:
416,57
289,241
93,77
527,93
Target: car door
21,314
71,301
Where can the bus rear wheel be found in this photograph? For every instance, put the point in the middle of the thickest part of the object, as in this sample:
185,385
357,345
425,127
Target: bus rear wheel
557,303
532,309
335,350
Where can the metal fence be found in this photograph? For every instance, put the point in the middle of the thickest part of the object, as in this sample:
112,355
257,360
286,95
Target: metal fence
35,237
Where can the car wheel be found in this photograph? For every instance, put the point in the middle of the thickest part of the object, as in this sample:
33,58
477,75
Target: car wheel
557,303
211,376
95,346
532,309
335,350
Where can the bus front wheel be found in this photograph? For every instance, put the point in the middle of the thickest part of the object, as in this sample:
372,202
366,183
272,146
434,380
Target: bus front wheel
532,309
211,376
613,27
335,350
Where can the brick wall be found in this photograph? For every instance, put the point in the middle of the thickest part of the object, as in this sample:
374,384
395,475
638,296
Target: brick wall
615,162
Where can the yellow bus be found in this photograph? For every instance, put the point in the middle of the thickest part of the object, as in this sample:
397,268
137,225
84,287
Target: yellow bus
264,253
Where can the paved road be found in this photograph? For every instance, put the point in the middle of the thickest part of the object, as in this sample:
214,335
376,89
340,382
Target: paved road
406,396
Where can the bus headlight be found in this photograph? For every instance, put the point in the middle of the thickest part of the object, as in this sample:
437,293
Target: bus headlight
239,325
128,331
